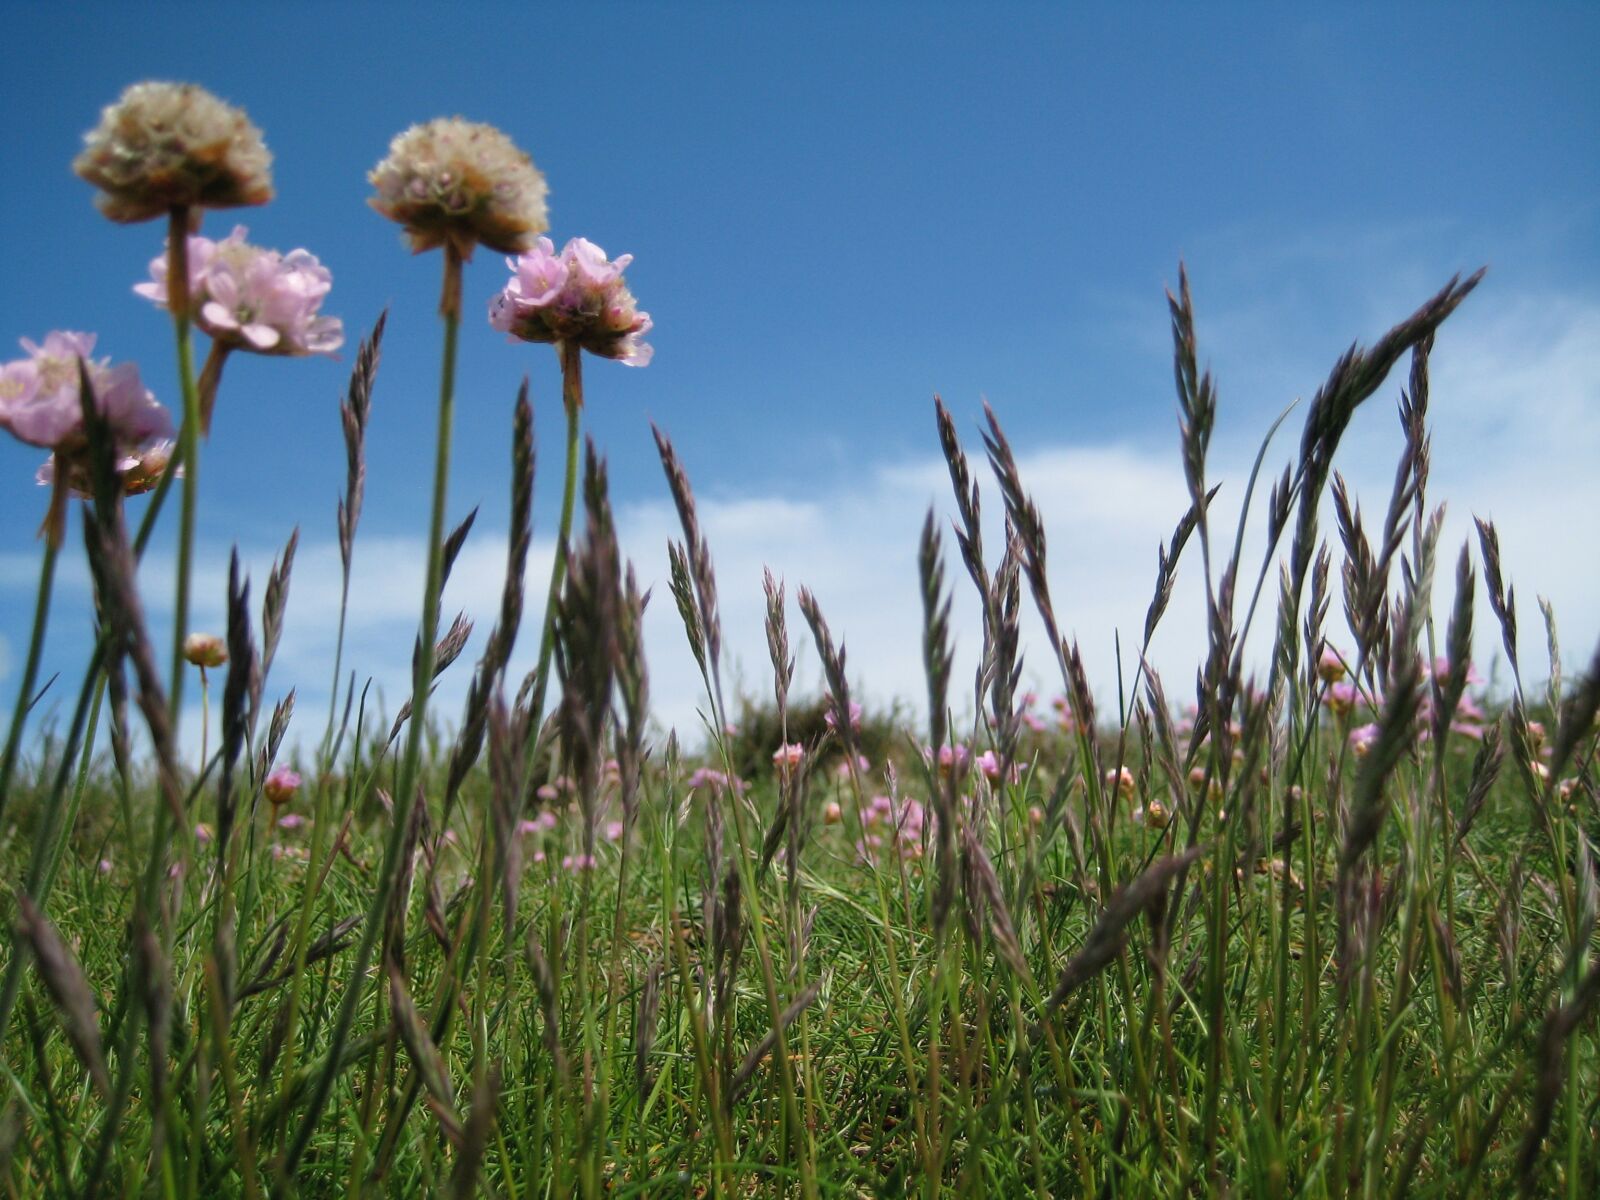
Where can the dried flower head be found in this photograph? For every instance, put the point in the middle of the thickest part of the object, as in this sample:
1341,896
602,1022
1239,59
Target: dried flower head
459,182
575,296
173,145
205,650
254,299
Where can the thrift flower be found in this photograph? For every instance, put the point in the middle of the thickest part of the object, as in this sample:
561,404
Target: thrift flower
786,758
1330,667
1362,739
1341,697
291,821
41,404
576,296
250,298
173,145
463,183
205,650
831,718
1122,779
281,785
832,814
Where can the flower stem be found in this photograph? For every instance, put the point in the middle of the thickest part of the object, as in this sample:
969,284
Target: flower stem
210,381
188,442
30,672
572,401
406,787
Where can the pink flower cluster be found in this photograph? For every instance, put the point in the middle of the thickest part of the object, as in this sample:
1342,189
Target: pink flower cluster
891,826
575,296
250,298
40,404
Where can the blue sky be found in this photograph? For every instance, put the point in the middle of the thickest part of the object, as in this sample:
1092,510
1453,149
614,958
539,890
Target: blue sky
837,211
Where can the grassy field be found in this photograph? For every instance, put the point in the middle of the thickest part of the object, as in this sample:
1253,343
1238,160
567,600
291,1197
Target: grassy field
1329,930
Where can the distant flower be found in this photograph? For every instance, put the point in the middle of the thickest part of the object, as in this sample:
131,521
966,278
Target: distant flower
953,758
1122,779
459,182
863,765
1035,815
989,764
205,650
831,718
203,834
1341,697
251,298
1330,666
1362,738
281,785
576,296
573,863
786,758
291,821
105,866
173,145
613,831
1154,815
709,777
832,814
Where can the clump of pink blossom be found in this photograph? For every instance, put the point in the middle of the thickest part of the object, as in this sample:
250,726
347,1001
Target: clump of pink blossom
40,402
576,296
251,298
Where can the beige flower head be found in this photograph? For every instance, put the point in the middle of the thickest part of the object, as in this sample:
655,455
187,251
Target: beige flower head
459,182
173,145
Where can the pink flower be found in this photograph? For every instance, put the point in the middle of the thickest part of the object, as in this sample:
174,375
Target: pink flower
832,718
281,785
1122,779
250,298
577,296
105,866
40,403
1330,667
291,821
953,758
202,833
573,863
786,758
1362,738
863,765
989,764
1341,697
613,831
708,777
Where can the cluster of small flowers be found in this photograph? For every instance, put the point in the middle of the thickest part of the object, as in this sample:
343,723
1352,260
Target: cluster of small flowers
250,298
41,404
577,296
712,779
892,826
831,718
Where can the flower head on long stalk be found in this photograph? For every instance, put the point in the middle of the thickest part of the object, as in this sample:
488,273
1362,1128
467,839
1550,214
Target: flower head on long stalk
254,299
458,182
577,296
166,146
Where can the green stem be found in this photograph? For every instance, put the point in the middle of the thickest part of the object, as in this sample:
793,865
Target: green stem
188,443
30,672
572,401
405,791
